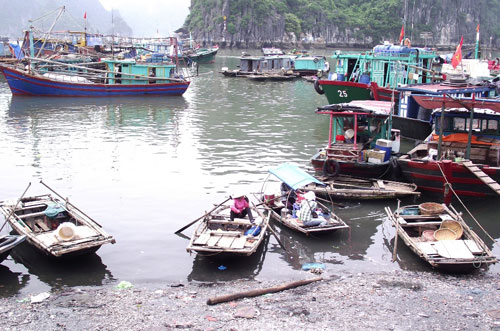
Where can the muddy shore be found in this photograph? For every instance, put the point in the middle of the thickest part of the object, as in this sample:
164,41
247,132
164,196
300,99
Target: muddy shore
365,301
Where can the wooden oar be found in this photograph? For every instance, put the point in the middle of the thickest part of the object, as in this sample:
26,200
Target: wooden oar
14,208
199,218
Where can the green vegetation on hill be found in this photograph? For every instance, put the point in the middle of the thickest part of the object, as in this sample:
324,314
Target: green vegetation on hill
356,19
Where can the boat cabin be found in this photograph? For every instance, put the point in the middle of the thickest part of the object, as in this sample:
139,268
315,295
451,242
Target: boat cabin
260,64
311,65
127,72
387,65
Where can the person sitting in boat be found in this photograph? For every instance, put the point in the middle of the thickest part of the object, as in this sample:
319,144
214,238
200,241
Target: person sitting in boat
288,196
240,208
307,212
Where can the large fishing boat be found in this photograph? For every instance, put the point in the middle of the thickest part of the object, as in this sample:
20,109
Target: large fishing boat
374,75
360,140
121,77
463,150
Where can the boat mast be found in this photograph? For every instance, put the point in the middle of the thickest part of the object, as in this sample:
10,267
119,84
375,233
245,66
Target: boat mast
50,30
471,119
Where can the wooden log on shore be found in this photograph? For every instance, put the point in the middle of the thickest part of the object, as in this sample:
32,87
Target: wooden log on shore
254,293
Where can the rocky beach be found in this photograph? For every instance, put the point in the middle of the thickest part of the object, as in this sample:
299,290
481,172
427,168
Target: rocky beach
364,301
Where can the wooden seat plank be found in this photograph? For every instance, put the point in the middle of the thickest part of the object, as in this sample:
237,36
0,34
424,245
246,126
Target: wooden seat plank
239,242
42,225
213,240
203,239
225,242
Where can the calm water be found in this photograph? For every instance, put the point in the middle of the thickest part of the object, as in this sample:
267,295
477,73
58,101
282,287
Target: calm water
144,167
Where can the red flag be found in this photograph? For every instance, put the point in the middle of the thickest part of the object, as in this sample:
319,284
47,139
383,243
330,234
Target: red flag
457,57
477,29
85,16
402,33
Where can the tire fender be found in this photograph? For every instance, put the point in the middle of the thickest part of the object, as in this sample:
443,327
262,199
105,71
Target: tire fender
317,87
331,168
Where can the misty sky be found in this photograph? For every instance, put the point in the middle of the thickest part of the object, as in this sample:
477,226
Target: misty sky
145,17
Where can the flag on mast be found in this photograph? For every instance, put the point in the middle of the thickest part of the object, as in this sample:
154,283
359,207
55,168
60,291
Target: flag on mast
457,57
85,15
402,34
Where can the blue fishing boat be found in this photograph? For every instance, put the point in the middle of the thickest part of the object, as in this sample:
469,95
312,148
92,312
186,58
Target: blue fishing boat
120,77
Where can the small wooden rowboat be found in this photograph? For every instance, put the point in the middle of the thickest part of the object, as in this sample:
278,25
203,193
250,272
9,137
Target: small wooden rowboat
56,228
8,243
216,233
295,178
347,187
439,236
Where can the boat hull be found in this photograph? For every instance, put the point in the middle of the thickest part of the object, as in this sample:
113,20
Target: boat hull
426,174
356,169
28,85
411,127
341,92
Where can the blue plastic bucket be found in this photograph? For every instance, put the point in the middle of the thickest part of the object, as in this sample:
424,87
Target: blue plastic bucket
340,77
365,79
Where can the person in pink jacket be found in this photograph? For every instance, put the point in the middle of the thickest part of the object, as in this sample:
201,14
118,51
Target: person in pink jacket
240,208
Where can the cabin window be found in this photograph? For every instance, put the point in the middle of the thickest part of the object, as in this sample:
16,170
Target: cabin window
458,124
491,127
476,124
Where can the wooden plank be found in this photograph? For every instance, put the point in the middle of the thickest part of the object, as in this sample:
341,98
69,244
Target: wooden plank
213,240
239,242
453,249
238,221
482,176
381,184
225,242
42,213
410,224
203,239
42,225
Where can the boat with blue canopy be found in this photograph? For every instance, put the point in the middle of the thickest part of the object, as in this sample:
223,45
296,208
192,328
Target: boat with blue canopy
287,209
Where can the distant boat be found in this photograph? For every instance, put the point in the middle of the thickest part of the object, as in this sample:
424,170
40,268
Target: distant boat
121,77
311,65
202,55
262,65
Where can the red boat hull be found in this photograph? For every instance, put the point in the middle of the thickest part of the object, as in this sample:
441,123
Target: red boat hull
428,176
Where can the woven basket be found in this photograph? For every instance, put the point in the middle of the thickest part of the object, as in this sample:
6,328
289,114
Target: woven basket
453,225
430,208
445,234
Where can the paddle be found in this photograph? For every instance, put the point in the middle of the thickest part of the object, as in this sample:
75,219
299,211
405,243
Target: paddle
199,218
14,208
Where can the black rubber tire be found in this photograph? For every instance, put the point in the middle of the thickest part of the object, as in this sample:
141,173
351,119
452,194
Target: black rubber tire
318,88
331,168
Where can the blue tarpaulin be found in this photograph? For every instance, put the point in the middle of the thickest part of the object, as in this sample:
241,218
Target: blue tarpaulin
293,176
18,53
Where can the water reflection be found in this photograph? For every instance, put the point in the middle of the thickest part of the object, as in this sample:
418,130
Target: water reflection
11,282
206,268
84,271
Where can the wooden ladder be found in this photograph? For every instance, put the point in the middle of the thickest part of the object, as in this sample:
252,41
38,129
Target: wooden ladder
482,176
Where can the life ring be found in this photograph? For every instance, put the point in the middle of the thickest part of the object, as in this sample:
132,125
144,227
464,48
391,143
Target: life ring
331,168
317,87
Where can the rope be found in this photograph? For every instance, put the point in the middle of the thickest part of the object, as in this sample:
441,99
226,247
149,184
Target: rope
465,207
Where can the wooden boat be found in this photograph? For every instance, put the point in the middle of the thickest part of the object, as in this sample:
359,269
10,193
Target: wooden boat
8,243
56,228
348,187
295,178
373,75
439,236
216,233
355,131
473,175
417,101
202,55
121,77
311,65
258,65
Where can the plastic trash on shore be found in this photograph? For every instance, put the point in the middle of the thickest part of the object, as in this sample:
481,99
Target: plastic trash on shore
222,267
313,265
124,285
39,297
